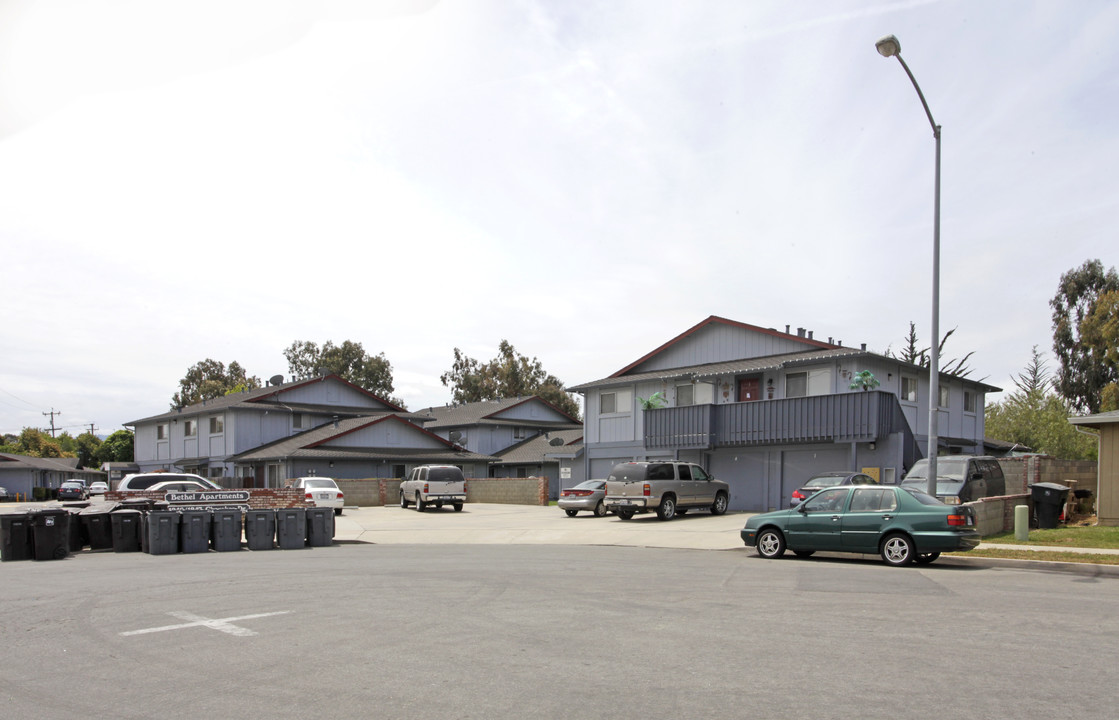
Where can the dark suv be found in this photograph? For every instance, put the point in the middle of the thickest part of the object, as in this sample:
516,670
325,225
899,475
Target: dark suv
960,478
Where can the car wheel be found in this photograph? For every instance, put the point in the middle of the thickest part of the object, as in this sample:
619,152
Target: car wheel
625,514
897,550
337,511
720,505
667,509
926,558
600,509
420,504
771,544
403,501
571,513
458,507
803,553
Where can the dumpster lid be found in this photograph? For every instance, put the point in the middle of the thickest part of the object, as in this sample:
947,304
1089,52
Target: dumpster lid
1049,486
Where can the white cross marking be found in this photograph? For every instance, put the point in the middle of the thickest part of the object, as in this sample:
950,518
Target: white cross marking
225,625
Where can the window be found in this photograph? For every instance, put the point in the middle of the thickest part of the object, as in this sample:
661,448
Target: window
969,401
217,425
685,472
522,472
519,433
685,395
943,400
217,472
698,474
161,432
811,382
619,401
190,428
826,501
297,421
909,389
796,385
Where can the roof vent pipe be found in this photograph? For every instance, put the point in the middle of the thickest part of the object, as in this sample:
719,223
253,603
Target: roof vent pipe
810,333
863,347
786,329
800,332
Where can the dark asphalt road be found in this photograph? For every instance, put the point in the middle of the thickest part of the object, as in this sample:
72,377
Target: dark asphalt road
551,632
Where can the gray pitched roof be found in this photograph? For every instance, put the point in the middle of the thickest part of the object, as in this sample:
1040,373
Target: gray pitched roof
533,450
1097,420
37,463
483,412
750,365
254,399
308,444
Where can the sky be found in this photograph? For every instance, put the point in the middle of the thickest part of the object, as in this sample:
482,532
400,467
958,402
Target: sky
220,178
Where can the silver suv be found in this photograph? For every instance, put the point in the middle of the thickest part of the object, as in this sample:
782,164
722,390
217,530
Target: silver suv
669,488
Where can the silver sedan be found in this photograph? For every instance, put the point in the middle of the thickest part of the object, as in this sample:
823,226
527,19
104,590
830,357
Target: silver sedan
586,496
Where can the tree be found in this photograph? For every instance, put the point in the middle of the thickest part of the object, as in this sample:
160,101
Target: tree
118,447
913,354
1082,374
348,361
1036,417
88,444
36,443
510,374
210,379
1100,335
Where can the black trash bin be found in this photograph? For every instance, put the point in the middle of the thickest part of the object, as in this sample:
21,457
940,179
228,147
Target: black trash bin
320,526
225,530
77,532
126,530
97,526
50,532
15,537
260,529
162,529
291,528
194,531
1048,499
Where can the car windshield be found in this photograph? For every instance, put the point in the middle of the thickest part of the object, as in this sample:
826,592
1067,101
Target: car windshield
320,483
824,481
946,469
590,485
445,474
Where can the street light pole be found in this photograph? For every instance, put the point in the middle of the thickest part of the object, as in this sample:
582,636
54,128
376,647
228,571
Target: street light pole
889,46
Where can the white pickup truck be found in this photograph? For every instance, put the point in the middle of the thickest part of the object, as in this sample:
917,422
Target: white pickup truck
434,485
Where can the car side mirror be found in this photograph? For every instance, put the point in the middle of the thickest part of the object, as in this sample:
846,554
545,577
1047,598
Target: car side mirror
800,509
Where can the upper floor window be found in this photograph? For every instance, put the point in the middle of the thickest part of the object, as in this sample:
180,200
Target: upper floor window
619,401
810,382
969,401
519,433
161,431
217,425
685,395
909,389
297,421
190,428
943,400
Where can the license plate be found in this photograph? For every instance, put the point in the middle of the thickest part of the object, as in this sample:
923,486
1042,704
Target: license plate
324,496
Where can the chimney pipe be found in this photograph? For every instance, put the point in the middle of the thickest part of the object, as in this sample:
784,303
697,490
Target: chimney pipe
800,332
863,347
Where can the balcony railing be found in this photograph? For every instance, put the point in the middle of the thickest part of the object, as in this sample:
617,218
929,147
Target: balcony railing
844,417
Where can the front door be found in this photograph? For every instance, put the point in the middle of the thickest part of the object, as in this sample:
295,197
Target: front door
749,389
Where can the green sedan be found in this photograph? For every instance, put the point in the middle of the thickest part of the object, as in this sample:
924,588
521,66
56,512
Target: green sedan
902,524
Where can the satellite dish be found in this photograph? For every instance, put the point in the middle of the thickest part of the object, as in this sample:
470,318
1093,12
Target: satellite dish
555,442
455,436
276,380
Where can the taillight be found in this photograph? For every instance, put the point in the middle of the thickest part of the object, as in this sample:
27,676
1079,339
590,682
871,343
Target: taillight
464,486
308,495
957,519
340,495
425,488
647,491
798,495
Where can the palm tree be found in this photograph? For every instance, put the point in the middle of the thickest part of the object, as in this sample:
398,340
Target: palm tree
864,380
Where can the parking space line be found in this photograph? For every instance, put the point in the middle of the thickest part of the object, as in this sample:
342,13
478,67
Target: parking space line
224,625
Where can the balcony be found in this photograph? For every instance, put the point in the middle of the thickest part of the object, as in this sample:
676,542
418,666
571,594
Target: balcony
844,417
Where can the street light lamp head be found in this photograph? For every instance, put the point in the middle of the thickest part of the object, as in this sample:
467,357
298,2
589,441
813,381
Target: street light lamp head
888,46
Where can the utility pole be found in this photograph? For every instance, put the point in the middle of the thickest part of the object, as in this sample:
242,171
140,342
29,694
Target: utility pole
91,428
52,413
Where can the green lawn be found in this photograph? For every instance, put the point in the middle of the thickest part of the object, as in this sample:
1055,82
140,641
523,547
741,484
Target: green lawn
993,551
1092,536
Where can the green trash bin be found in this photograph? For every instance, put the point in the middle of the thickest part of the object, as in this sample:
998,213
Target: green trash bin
15,537
50,532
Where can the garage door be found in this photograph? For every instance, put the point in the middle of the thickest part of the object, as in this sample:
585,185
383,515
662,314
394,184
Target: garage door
799,465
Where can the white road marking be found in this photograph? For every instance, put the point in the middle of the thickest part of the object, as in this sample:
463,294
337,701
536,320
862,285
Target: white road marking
224,625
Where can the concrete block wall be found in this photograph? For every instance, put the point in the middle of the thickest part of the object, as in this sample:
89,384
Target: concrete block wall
374,492
994,515
1021,472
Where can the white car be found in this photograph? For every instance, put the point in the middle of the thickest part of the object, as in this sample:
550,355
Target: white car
178,486
98,488
144,481
322,491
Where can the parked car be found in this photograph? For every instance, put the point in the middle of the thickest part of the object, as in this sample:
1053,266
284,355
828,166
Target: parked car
828,479
434,485
589,496
902,524
71,490
669,488
4,496
322,491
143,481
99,488
170,486
960,478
